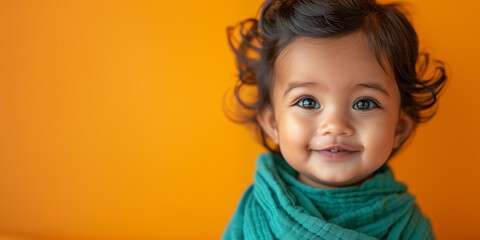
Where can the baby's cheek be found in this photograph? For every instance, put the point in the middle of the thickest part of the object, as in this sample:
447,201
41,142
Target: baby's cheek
382,140
295,134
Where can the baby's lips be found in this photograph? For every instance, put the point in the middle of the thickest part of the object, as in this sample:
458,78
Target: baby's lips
338,147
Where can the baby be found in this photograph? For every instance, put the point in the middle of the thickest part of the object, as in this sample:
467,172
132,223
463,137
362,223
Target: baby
339,87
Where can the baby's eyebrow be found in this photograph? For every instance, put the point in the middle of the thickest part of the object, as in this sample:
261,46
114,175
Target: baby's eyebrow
296,85
374,86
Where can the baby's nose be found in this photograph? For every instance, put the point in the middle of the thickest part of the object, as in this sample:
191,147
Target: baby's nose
336,123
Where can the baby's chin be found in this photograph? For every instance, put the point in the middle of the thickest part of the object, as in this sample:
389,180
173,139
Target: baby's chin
332,182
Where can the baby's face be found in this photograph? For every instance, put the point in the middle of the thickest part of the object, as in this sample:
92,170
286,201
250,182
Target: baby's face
335,111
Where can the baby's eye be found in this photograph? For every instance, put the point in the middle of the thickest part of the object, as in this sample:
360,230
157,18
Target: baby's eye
308,103
365,104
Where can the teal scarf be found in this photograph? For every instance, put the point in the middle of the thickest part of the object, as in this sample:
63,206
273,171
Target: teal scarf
277,206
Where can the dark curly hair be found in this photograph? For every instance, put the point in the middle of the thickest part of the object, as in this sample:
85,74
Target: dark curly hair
387,31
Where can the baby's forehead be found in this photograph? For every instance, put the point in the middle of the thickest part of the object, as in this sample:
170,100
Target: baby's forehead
343,53
353,46
341,62
355,39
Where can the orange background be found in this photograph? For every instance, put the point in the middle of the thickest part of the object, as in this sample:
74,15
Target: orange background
111,122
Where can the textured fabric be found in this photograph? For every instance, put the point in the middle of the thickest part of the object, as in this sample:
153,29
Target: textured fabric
277,206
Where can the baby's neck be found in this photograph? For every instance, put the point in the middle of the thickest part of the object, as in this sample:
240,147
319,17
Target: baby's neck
315,183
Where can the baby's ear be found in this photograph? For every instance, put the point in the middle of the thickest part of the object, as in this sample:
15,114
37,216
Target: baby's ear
267,121
405,126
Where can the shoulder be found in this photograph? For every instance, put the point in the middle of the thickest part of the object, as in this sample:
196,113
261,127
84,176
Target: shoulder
413,225
234,229
421,227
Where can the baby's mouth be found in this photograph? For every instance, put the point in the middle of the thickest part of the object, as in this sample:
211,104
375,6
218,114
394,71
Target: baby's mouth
336,152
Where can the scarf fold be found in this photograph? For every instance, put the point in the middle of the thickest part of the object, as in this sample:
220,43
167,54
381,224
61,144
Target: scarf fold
277,206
